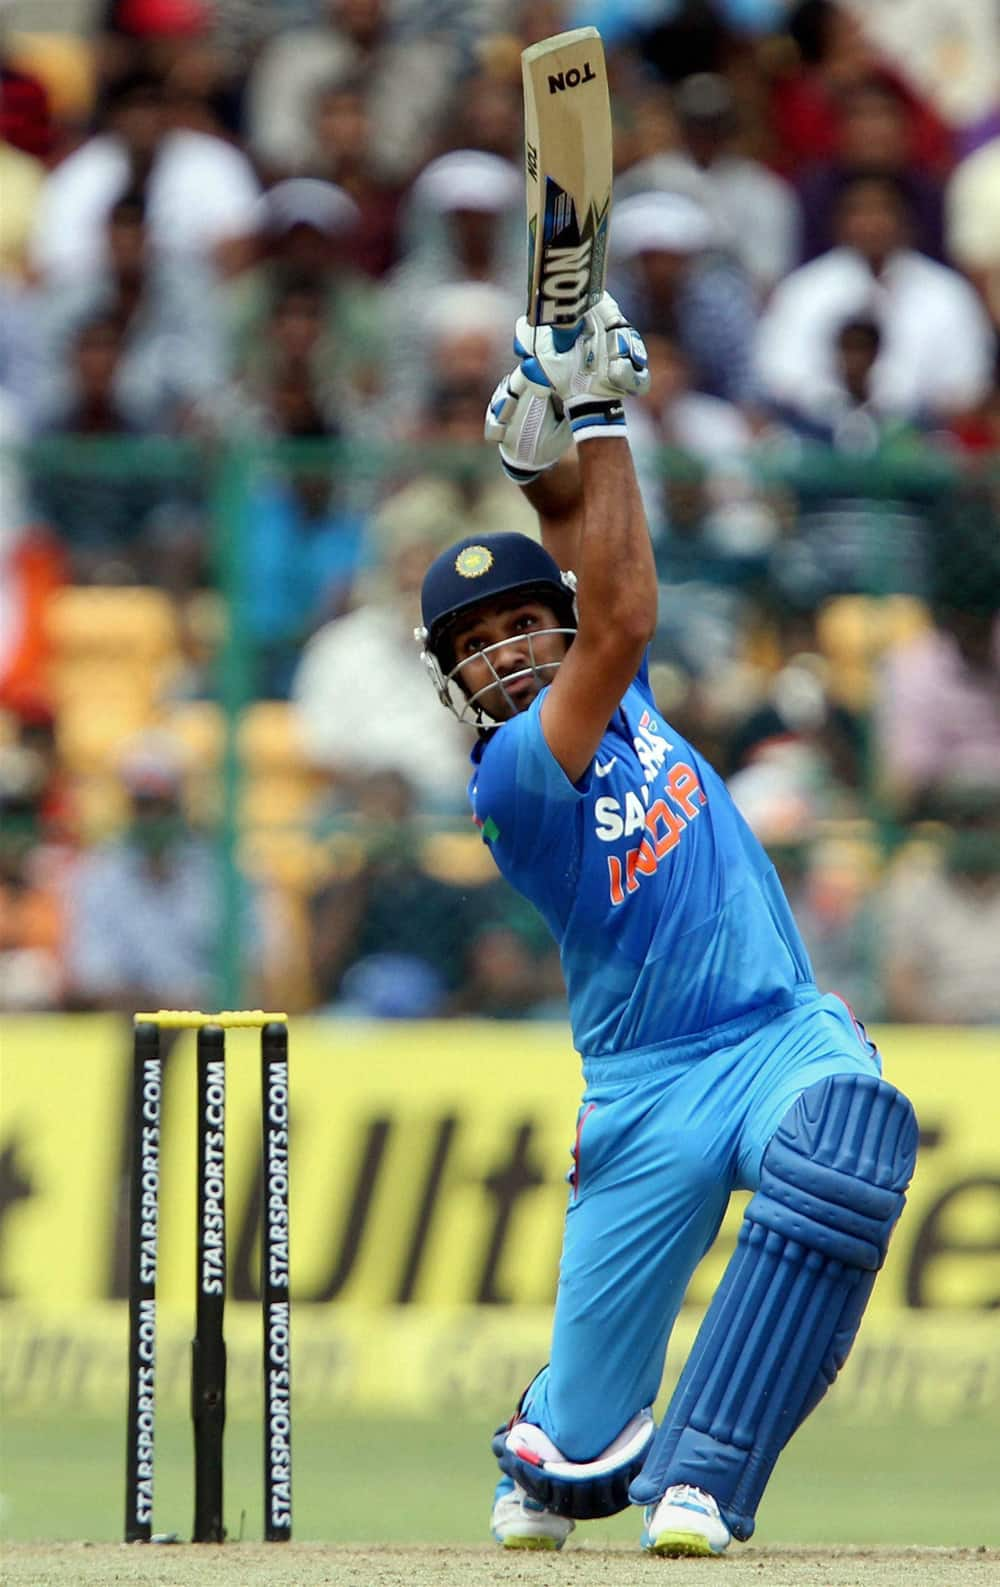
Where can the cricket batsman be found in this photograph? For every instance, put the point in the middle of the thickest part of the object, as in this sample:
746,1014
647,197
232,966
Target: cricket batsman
711,1061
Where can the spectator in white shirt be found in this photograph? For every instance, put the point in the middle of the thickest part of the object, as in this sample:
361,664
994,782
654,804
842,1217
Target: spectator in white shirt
972,206
201,192
464,227
853,421
671,276
754,212
408,69
936,348
172,352
361,703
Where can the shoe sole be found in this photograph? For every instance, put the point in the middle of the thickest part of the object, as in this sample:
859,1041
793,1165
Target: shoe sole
682,1545
532,1543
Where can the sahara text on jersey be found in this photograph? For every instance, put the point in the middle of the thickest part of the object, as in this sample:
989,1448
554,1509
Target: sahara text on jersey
662,825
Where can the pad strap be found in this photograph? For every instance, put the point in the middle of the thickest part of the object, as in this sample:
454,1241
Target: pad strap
581,1490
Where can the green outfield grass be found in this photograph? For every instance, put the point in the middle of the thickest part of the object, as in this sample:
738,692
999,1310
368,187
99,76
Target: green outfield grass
413,1482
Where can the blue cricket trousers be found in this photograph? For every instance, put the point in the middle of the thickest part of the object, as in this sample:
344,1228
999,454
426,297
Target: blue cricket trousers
664,1136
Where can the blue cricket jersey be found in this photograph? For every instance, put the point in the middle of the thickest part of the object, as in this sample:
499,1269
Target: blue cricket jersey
669,915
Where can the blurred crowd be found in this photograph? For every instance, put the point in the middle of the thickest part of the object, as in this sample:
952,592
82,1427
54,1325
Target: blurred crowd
259,265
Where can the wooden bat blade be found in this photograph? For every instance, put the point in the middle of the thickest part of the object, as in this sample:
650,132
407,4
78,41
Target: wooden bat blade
568,169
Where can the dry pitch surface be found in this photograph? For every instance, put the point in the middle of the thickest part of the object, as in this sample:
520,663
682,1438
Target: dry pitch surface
316,1565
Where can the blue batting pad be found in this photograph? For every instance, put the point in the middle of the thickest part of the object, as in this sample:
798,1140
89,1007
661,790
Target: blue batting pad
784,1317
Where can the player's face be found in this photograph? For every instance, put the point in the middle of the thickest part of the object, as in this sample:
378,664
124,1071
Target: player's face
506,653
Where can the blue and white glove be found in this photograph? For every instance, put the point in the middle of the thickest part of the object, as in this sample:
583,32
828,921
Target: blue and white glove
531,434
605,363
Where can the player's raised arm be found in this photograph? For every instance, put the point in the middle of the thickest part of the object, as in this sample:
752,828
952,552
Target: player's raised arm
537,453
615,570
557,498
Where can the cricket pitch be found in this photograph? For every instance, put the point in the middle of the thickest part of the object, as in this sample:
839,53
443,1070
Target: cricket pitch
319,1565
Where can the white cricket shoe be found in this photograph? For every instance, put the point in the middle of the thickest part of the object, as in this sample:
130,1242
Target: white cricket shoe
519,1522
686,1521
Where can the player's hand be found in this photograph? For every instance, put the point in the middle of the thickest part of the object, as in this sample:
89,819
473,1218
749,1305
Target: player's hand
606,361
522,418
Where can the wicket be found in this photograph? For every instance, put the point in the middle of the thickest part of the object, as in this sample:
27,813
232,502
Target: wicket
208,1349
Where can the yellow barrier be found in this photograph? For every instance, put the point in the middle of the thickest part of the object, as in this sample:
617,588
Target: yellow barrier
428,1166
475,1360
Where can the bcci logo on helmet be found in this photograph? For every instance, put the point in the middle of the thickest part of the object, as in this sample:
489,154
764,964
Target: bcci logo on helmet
473,562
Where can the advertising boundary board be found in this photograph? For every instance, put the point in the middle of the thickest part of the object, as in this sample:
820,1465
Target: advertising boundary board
428,1168
424,1361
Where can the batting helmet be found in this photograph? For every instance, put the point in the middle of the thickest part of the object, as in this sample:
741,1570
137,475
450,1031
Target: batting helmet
482,568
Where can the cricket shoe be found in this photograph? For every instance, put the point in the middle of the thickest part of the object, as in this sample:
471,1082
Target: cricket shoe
519,1522
686,1521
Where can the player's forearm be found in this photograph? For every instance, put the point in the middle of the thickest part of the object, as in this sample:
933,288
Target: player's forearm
557,497
617,594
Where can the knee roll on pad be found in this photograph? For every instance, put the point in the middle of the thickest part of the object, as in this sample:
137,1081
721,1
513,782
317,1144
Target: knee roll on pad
784,1317
582,1490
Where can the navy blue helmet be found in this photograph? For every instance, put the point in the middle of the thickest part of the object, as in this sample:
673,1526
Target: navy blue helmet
482,568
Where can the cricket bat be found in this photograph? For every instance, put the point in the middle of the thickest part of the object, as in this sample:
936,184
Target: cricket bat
568,165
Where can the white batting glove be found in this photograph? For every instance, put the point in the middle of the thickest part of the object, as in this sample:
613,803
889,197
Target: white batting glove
522,419
606,362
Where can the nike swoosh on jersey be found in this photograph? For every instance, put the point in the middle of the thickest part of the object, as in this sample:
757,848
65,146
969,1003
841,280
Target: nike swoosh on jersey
602,771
